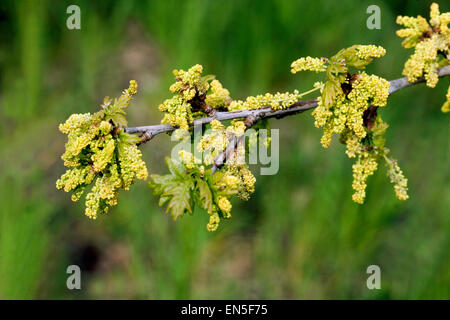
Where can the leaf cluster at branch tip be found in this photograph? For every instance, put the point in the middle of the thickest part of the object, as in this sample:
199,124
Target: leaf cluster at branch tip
431,43
348,106
99,152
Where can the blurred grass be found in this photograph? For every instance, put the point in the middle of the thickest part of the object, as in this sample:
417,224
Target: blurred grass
300,236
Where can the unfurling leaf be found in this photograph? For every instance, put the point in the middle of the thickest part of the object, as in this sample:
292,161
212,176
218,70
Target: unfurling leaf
205,195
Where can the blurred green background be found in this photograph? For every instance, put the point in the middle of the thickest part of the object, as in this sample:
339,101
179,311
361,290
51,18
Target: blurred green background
299,237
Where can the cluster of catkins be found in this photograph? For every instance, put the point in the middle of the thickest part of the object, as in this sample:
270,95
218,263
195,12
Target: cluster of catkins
431,43
178,110
348,106
99,152
193,92
191,181
195,182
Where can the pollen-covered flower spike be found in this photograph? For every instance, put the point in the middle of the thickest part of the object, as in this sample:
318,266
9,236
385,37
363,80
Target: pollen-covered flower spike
446,106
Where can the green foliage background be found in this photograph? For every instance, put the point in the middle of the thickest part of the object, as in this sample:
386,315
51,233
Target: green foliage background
300,236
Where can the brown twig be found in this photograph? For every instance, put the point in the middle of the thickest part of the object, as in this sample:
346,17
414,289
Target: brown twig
233,143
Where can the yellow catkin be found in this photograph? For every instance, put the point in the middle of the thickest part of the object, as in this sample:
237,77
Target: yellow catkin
398,179
308,63
224,205
446,106
219,96
213,223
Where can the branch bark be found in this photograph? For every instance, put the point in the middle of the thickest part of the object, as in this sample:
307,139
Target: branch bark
263,113
402,83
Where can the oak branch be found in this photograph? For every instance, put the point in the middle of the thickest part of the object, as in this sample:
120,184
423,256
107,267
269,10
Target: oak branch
148,132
